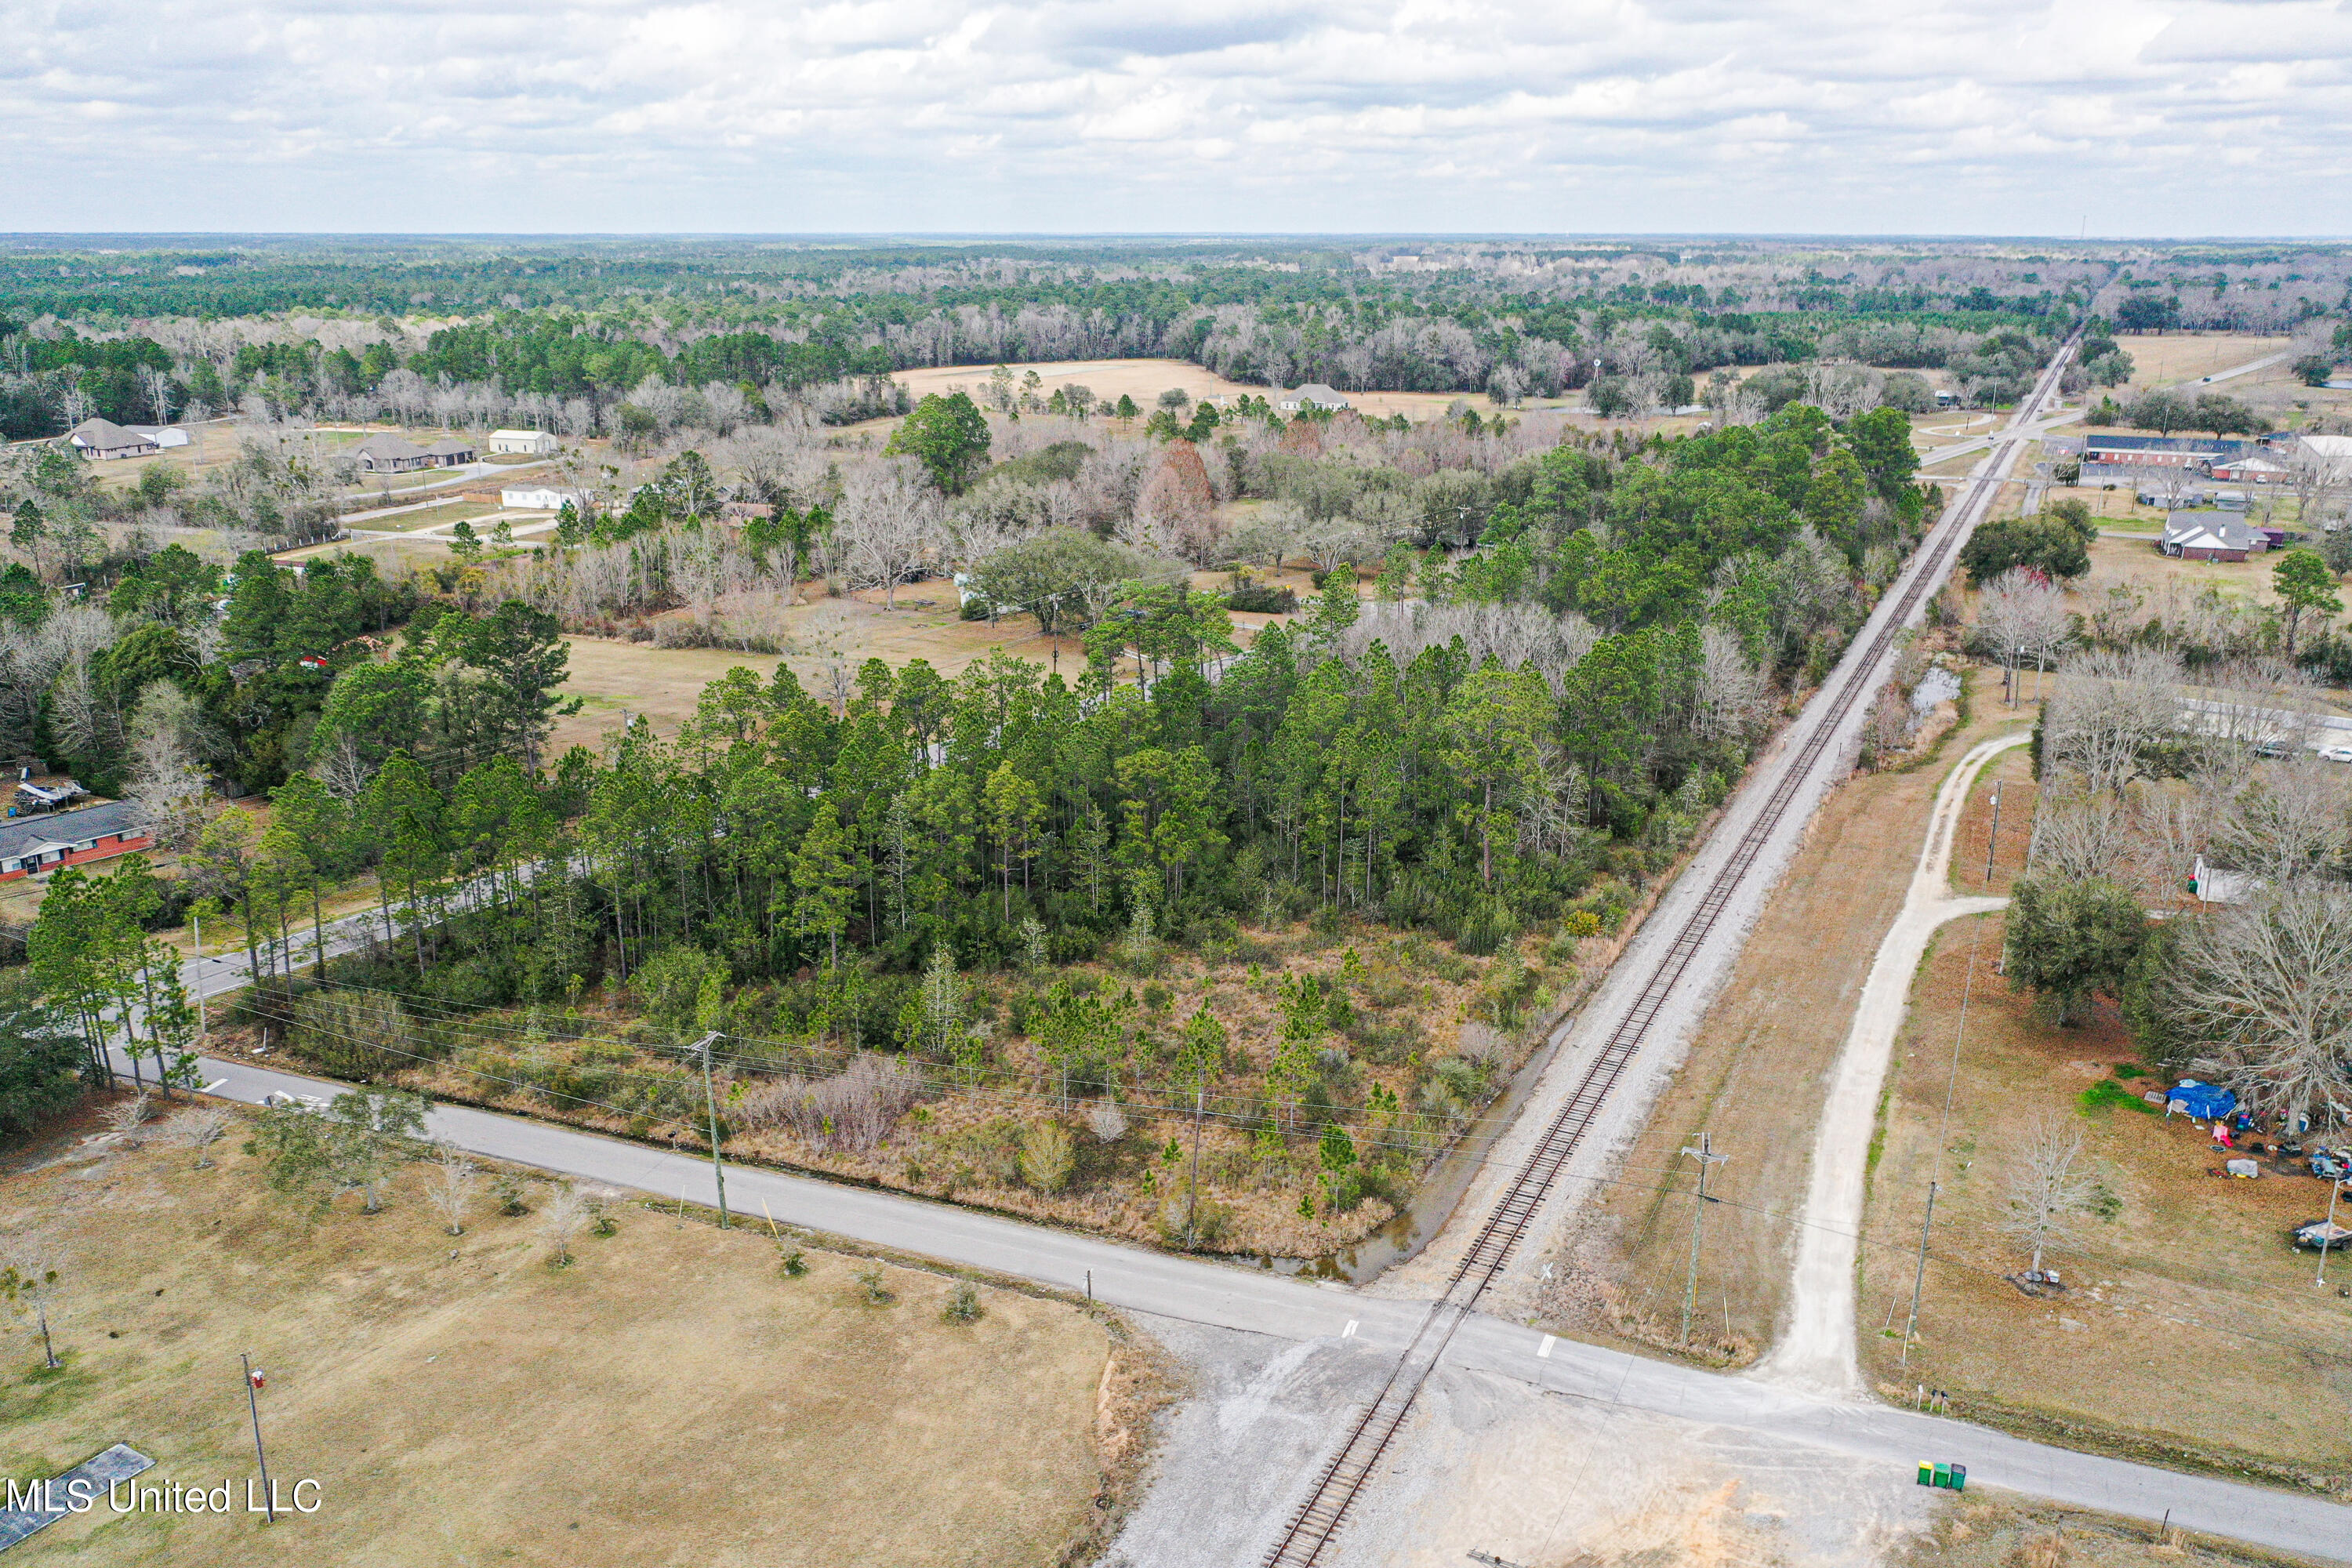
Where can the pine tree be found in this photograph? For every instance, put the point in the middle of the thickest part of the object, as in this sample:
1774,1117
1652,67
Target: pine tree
825,888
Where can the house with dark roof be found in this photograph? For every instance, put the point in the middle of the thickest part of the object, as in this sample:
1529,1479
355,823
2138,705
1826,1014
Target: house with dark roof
2210,536
390,454
398,455
43,843
98,439
2159,451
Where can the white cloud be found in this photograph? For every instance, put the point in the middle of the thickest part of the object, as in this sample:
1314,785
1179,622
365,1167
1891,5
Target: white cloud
521,115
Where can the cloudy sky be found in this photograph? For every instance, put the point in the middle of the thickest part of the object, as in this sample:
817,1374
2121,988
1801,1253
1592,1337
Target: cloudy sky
2141,117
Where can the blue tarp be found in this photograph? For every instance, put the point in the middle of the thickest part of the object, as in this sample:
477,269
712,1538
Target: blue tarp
2204,1101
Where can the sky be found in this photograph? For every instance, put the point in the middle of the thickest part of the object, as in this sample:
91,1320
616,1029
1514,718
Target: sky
2110,117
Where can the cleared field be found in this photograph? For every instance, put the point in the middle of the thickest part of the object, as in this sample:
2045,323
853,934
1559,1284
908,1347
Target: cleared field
1142,379
671,1397
1757,1069
2188,1322
664,684
2163,358
1145,379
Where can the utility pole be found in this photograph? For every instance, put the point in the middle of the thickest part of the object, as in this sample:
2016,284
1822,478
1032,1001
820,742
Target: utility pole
1705,1156
2334,1187
1192,1193
253,1408
1918,1276
710,1105
1994,838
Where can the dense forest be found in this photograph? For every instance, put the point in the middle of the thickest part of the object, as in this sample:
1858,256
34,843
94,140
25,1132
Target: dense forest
563,334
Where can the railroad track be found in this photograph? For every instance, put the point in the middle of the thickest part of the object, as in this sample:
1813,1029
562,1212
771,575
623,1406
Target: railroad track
1318,1520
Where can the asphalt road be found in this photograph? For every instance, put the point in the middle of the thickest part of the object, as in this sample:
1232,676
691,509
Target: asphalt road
1259,1301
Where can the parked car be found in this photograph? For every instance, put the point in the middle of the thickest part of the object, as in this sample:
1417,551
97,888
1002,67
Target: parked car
2319,1233
2337,754
2272,748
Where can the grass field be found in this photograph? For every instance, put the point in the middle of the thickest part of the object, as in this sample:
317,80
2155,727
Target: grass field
1145,379
664,684
2168,358
669,1398
2189,1322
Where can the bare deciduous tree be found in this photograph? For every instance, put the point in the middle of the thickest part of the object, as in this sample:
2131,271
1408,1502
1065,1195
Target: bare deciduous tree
891,520
199,1129
452,1187
2294,819
2269,984
2047,1186
2109,710
2023,615
559,1222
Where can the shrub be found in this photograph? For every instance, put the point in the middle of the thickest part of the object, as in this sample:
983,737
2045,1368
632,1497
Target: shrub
855,1109
1263,598
356,1034
1047,1156
794,1265
507,1187
964,1304
869,1281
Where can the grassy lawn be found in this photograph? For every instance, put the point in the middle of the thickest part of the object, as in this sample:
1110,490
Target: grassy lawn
2187,1324
671,1397
439,516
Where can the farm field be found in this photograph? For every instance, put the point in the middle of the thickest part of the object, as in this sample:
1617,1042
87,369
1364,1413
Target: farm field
458,1399
2166,358
2187,1322
664,684
1145,379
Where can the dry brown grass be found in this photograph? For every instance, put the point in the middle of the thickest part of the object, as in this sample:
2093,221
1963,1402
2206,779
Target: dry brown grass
1755,1071
2000,1529
2189,1324
2166,358
668,1398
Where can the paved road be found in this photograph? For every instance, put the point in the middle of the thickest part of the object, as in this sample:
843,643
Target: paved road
2233,373
1257,1301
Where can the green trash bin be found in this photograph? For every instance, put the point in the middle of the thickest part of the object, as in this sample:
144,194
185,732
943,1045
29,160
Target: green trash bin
1927,1474
1960,1477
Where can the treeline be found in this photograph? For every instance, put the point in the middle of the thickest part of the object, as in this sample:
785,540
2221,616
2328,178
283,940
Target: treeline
1597,690
786,324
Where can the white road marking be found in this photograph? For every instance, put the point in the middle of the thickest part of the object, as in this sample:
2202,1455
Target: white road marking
1543,1351
1350,1332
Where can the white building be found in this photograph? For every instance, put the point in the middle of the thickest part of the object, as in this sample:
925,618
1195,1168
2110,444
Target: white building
537,498
1314,395
529,443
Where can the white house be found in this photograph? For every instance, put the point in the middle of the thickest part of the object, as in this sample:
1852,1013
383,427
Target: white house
98,439
161,435
2216,885
537,498
1314,395
532,443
